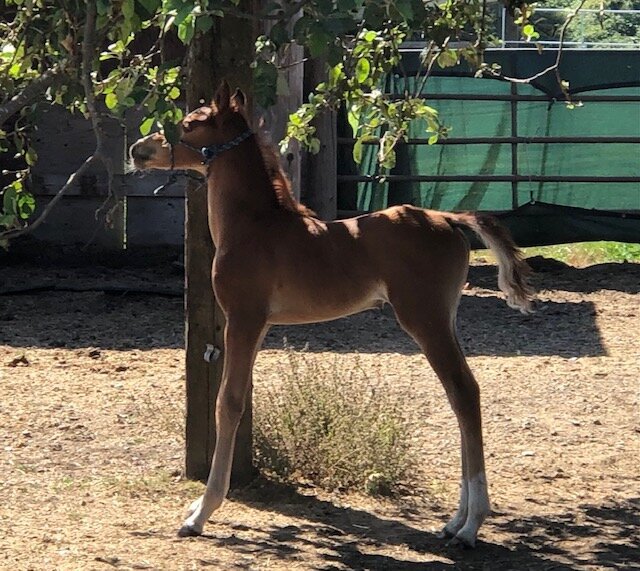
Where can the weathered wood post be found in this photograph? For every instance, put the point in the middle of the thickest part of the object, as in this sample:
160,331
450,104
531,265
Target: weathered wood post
225,51
321,169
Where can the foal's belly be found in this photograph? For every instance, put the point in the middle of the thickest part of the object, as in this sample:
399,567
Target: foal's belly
290,308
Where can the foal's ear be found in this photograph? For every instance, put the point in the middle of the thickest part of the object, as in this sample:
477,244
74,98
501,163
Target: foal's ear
238,100
222,96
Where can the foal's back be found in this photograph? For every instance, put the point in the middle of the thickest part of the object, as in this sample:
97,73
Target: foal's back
325,270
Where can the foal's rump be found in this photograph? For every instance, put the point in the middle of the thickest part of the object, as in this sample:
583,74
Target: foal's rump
428,246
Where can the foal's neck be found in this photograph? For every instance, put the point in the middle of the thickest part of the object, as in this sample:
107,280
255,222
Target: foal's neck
239,191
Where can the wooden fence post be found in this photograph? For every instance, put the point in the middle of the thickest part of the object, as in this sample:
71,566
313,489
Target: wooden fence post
226,51
321,169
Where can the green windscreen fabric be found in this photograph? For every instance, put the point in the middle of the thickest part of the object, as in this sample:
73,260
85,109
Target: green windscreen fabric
492,115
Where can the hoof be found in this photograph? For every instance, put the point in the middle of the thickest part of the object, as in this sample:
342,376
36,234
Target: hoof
189,531
461,542
444,533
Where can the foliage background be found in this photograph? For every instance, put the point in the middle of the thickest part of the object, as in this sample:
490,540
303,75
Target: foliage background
102,58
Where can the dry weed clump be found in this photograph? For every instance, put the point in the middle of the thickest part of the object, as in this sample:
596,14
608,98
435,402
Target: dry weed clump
332,426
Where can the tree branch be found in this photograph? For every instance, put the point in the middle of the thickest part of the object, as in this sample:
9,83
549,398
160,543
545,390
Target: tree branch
10,234
556,65
31,92
88,53
433,57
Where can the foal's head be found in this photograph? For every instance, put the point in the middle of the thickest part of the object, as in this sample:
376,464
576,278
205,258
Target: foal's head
216,124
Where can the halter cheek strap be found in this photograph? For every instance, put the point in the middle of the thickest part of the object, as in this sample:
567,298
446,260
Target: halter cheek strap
208,154
213,151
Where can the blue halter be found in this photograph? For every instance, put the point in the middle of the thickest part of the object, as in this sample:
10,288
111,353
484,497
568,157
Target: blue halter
213,151
208,154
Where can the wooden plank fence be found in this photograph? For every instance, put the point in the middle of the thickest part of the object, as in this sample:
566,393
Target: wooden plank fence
141,220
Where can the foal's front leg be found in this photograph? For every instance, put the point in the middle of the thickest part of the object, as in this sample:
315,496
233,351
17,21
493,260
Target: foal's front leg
243,336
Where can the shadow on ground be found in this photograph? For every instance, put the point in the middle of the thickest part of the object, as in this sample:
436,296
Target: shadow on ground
486,326
124,322
143,309
348,538
554,275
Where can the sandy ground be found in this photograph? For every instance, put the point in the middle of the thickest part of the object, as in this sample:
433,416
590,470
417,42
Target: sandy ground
91,448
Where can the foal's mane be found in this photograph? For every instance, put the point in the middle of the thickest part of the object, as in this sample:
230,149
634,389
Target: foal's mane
279,180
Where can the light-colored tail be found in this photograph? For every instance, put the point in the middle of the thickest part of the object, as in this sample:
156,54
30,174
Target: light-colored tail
513,271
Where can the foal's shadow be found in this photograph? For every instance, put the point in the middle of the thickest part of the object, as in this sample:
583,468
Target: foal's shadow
486,326
349,538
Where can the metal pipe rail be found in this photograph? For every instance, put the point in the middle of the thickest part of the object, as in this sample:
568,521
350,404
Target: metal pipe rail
504,140
484,178
522,97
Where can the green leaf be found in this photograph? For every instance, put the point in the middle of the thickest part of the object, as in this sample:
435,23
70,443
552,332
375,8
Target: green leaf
405,9
354,119
111,100
171,133
314,146
146,126
186,29
103,6
363,68
6,220
301,27
389,160
204,23
9,199
279,34
150,5
26,205
433,139
318,41
128,9
370,36
357,150
346,5
447,58
336,73
31,156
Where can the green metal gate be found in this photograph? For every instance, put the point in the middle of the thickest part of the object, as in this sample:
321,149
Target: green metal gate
554,174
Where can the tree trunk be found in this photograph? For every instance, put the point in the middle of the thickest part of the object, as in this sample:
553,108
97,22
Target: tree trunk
225,52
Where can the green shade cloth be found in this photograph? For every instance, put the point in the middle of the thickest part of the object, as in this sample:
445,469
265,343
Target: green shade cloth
590,73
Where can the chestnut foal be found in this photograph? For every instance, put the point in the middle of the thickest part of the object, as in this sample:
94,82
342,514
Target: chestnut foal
275,263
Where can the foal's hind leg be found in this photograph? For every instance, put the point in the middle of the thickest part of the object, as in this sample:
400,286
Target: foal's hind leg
242,339
436,336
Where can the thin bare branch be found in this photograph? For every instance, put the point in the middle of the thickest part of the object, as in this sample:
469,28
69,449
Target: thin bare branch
10,234
88,53
291,64
88,44
32,92
556,65
432,61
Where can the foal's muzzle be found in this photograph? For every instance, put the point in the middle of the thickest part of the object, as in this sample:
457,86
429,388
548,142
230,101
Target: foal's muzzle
140,152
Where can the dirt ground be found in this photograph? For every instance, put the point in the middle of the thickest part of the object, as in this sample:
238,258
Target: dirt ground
91,448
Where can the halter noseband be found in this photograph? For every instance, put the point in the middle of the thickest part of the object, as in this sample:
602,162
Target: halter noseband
208,154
